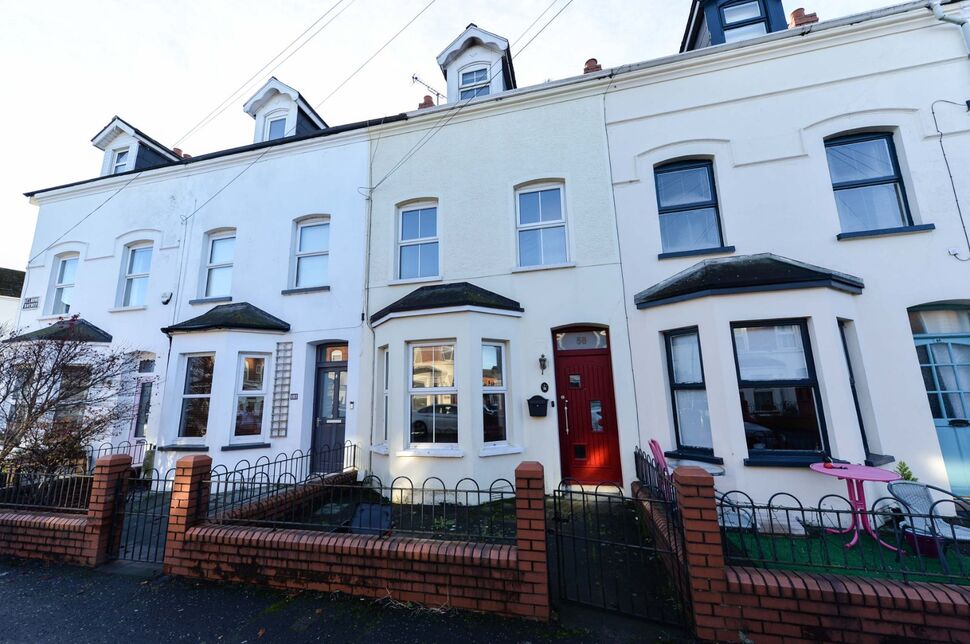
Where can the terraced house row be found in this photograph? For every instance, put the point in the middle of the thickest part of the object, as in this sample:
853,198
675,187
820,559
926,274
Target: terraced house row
753,251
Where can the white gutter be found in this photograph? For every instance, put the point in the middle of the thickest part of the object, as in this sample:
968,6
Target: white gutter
963,23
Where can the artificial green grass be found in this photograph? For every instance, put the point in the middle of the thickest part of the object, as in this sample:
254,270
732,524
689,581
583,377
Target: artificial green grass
823,552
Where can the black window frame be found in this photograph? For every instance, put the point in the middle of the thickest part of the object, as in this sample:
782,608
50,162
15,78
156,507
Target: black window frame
686,451
777,457
872,459
688,164
726,26
896,178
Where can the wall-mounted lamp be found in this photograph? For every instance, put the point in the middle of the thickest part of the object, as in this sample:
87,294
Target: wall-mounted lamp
543,363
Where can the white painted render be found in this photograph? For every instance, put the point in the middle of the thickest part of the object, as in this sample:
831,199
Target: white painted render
264,201
9,306
761,113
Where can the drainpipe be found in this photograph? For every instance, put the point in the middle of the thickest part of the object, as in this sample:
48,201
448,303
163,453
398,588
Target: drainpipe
963,23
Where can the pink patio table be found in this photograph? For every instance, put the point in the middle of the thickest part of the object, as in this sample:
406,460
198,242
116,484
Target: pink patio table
854,476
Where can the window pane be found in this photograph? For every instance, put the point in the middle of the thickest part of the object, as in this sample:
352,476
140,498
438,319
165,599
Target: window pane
743,33
596,415
144,407
253,371
195,417
62,299
739,12
492,366
140,260
780,418
474,76
493,417
428,254
277,129
198,374
860,161
312,270
410,262
249,416
410,224
686,358
434,419
693,419
683,187
314,238
121,157
550,205
428,218
771,353
554,245
66,272
219,282
689,230
530,250
136,289
222,250
433,366
528,208
472,93
954,321
870,207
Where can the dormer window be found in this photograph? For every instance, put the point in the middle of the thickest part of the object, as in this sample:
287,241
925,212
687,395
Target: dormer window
743,20
474,83
276,129
120,161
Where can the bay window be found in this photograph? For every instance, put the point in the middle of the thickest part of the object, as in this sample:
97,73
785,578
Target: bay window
433,395
196,392
250,396
780,401
688,390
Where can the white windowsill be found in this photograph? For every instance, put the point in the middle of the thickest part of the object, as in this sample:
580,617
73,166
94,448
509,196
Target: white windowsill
414,280
432,452
499,450
125,309
543,267
380,449
58,316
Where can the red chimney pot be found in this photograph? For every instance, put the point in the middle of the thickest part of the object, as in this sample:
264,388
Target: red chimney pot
427,102
799,18
592,65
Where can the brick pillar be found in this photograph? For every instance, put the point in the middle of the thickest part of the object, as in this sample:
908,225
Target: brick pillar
705,554
530,541
106,507
190,500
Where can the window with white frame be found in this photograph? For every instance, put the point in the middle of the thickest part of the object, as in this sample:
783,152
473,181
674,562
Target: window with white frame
196,392
541,226
64,275
143,408
382,361
219,259
250,396
138,262
119,161
474,82
494,393
433,395
312,254
276,128
418,242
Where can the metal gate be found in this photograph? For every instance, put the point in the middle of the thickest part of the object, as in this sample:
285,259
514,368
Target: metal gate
144,524
618,553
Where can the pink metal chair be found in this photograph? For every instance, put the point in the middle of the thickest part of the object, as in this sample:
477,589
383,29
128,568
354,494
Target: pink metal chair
658,455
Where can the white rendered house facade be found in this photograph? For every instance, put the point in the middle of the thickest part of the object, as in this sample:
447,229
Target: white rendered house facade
230,309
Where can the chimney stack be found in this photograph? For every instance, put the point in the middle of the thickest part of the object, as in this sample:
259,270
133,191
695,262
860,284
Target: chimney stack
799,18
592,65
427,102
178,152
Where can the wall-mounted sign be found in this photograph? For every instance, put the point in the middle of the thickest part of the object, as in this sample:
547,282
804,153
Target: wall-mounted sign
294,396
30,303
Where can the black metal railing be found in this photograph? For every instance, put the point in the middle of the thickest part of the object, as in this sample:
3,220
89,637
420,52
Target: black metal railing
884,540
655,478
465,512
292,468
58,492
137,450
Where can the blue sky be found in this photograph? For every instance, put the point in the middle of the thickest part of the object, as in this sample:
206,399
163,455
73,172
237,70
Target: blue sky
164,64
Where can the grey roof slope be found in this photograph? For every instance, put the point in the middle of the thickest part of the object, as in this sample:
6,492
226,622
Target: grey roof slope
744,274
11,282
72,330
442,296
241,315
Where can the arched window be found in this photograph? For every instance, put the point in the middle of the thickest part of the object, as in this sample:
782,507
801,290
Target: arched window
219,257
418,241
311,257
690,219
62,283
135,269
541,224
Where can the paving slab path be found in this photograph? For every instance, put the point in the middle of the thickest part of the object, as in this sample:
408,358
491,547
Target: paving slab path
42,603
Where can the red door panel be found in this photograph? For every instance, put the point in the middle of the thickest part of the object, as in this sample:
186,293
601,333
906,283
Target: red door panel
588,440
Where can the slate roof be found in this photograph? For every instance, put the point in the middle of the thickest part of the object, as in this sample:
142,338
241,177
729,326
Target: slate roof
442,296
744,274
74,330
241,315
11,282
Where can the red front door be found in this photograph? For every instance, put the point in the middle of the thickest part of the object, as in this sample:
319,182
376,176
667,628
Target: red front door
588,442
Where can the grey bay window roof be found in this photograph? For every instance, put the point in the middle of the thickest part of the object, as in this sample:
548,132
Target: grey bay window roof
241,316
71,330
744,274
445,296
11,282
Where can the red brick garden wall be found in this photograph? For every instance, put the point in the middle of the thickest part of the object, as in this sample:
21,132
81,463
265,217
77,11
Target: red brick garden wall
734,603
81,539
505,579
